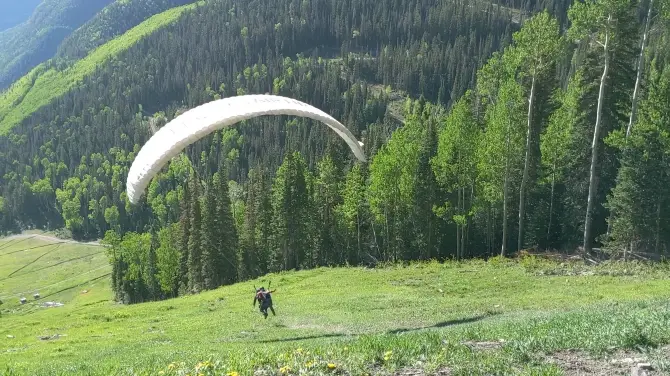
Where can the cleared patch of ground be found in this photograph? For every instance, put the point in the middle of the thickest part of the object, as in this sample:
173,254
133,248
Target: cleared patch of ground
622,362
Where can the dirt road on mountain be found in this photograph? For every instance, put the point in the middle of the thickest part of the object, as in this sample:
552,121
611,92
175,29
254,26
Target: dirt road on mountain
48,238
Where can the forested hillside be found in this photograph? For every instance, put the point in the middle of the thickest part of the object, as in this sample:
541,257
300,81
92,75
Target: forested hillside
36,40
115,19
547,132
63,31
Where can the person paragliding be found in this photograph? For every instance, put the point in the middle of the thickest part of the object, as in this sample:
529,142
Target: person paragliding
264,298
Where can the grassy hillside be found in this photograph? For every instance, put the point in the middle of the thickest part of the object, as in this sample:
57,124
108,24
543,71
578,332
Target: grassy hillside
42,84
36,40
467,318
115,19
50,267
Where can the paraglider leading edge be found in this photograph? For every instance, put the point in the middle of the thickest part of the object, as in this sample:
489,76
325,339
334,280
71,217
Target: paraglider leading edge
198,122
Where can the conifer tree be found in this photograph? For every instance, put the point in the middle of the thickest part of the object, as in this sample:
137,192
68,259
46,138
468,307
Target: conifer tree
184,236
326,198
641,198
352,212
227,241
195,237
209,233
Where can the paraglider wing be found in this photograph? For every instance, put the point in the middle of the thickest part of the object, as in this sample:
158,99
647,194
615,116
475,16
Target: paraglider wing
200,121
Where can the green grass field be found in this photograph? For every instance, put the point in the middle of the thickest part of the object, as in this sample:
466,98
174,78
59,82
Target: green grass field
497,317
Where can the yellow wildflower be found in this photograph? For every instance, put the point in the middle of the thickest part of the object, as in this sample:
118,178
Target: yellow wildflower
232,374
331,366
309,364
285,369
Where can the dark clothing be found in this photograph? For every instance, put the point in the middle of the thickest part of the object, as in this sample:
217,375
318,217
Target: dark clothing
265,301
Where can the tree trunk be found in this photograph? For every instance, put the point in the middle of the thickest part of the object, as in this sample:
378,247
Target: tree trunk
658,227
593,178
464,228
551,204
505,195
458,227
388,234
636,91
489,247
467,223
374,235
358,238
526,167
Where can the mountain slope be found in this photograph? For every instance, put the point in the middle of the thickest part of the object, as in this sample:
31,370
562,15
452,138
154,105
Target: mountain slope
36,263
113,20
425,316
43,84
16,12
37,39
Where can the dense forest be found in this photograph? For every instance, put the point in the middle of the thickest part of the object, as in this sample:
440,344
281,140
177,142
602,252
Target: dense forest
115,19
489,128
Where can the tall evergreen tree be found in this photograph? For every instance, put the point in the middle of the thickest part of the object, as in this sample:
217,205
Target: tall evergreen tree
195,277
226,232
209,232
353,213
184,238
558,147
289,212
326,198
640,199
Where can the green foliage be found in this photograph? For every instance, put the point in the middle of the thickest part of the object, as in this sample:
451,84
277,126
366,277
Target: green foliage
167,259
538,44
195,233
598,19
459,137
557,140
113,20
226,232
501,150
290,213
640,197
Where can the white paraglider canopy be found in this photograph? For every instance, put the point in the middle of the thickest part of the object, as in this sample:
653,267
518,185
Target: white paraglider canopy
200,121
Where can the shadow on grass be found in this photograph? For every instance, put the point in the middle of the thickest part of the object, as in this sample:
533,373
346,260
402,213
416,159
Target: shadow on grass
303,338
443,324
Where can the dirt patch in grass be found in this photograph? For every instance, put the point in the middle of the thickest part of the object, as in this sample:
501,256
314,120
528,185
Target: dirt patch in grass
420,372
575,363
486,345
